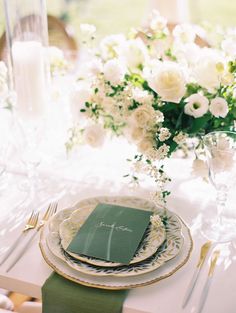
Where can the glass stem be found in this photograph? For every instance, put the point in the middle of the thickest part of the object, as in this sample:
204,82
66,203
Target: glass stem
221,198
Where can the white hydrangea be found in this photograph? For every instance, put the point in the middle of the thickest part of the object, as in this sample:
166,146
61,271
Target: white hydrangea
114,71
168,81
94,135
164,134
219,107
196,106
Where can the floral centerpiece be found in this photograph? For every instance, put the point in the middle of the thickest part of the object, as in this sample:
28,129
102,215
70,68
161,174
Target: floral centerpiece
157,88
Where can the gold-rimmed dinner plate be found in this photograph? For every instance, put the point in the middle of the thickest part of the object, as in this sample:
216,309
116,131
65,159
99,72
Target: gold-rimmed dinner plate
117,282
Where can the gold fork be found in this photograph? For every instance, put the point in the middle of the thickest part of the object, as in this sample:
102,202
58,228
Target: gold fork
30,224
51,210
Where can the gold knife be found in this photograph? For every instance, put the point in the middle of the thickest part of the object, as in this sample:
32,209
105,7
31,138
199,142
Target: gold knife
204,250
207,285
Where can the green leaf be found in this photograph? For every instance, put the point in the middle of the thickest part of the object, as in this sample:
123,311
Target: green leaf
199,123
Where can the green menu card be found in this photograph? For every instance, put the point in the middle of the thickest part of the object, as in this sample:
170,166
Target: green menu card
111,233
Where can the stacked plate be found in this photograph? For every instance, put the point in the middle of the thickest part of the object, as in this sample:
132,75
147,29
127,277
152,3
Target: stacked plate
163,250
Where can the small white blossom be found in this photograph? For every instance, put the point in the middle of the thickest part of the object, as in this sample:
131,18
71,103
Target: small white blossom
87,31
184,33
196,106
94,135
111,46
219,107
157,23
114,71
159,117
156,221
180,138
135,53
164,134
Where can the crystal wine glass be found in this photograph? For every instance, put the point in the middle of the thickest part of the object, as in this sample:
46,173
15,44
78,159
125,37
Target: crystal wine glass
220,148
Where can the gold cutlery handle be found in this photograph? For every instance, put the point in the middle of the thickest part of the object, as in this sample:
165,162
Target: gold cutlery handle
204,250
214,259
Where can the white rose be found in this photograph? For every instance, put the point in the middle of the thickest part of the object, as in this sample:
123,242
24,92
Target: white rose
114,71
135,53
111,46
196,106
94,135
143,116
168,81
219,107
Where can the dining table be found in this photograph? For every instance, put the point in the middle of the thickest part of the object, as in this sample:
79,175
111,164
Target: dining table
100,172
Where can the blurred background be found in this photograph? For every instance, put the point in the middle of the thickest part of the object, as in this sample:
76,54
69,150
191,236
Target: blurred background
112,16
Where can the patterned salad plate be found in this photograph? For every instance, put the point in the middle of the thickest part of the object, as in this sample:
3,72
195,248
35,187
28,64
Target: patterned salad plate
145,272
153,238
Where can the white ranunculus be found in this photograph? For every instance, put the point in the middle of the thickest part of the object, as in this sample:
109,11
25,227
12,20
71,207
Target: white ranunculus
94,135
168,81
209,70
143,116
111,46
114,71
135,53
78,97
219,107
196,106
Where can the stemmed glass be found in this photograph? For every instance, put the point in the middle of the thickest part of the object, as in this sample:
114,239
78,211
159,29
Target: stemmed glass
220,148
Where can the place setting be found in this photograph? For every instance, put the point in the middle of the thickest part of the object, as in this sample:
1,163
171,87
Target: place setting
155,245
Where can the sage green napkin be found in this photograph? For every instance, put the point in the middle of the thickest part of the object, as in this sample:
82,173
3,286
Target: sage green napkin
60,295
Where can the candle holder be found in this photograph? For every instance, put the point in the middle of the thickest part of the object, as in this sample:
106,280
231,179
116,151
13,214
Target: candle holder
27,41
27,38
